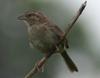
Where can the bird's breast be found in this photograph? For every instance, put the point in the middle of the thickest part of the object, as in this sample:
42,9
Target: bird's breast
41,38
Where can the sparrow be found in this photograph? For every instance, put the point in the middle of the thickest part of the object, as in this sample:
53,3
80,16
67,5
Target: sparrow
45,35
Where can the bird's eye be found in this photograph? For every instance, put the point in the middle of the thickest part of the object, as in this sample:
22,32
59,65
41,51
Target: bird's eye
29,15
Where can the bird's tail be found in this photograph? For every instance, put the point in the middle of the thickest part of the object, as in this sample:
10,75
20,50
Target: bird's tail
71,65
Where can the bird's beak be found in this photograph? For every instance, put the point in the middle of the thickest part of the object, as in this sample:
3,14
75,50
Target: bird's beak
22,17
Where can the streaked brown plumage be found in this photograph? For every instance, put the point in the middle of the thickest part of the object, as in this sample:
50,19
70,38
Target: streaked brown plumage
45,35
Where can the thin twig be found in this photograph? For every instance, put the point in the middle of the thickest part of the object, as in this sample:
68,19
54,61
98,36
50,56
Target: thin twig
38,66
70,25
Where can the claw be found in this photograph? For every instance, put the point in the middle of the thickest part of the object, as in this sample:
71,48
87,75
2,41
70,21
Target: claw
57,48
38,68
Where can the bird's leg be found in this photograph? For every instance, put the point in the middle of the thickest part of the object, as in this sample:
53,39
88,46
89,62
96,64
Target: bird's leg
38,65
57,48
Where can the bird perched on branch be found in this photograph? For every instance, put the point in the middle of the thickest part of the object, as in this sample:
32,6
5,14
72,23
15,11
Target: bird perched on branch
48,37
45,36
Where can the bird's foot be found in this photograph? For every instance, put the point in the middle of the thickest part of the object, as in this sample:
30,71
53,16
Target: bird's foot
39,69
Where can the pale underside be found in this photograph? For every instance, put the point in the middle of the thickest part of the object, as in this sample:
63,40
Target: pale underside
43,38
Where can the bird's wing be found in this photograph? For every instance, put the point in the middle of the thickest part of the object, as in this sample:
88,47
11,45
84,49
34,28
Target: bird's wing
59,33
56,30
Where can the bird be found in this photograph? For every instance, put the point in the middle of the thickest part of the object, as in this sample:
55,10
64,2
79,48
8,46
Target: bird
45,35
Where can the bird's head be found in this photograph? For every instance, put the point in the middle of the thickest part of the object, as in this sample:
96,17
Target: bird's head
33,17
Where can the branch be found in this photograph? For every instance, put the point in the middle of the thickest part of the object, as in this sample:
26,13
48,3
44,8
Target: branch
40,64
71,24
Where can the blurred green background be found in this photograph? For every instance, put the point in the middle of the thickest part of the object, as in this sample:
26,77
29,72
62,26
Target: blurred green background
17,58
